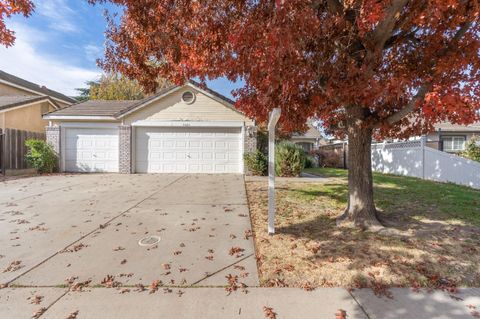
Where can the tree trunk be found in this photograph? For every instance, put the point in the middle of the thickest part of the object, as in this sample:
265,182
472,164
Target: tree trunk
360,211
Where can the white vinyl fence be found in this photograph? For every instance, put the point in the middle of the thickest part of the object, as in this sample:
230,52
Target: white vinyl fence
414,158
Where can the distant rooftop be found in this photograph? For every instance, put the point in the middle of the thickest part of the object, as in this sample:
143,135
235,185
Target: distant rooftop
4,76
7,102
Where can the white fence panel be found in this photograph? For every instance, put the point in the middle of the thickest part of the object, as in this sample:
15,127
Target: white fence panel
398,158
413,158
444,167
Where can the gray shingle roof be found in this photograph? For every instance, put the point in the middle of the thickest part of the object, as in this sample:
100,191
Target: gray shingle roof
449,127
96,108
34,87
312,132
117,108
10,101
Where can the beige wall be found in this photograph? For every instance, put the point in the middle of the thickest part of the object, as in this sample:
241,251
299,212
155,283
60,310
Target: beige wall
10,90
171,108
27,118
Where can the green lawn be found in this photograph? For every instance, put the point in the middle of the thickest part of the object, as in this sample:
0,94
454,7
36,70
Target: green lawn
446,200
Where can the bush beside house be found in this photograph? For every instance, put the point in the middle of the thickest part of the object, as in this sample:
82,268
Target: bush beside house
289,159
256,162
472,149
41,156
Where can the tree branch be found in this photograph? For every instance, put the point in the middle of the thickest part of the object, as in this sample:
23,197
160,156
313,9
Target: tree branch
424,89
385,28
335,6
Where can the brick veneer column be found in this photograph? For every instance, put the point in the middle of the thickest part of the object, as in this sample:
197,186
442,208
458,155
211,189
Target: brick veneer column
250,139
52,137
125,149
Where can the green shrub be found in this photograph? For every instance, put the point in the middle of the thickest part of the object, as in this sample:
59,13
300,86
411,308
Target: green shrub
309,161
289,159
256,162
472,149
41,156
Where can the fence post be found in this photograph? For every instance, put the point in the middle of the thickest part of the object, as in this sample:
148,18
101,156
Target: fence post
423,142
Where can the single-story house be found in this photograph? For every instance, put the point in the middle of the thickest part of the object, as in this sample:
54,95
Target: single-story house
310,140
22,103
452,138
180,129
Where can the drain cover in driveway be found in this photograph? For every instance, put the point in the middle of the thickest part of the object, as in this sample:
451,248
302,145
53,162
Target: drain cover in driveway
149,241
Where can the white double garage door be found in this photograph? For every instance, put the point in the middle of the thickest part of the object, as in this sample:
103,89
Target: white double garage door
156,150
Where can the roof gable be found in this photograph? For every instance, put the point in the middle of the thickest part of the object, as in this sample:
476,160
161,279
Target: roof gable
10,102
116,110
15,81
171,107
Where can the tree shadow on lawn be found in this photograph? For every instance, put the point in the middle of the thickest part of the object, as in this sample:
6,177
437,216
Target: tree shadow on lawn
363,259
429,252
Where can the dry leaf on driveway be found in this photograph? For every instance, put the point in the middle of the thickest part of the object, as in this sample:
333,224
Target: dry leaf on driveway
237,251
341,314
37,299
269,313
39,312
109,281
154,286
73,315
14,266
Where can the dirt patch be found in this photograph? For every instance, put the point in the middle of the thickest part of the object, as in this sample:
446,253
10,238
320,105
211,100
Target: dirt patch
309,250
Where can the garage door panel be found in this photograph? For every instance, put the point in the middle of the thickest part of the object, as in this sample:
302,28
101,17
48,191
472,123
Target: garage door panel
188,150
91,150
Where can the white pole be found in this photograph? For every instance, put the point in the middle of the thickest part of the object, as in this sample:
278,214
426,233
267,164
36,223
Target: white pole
423,142
272,122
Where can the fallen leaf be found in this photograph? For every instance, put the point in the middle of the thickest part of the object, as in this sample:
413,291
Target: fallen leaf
14,266
39,312
154,286
269,313
73,315
36,300
341,314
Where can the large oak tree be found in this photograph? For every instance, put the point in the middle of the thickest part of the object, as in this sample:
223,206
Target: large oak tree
368,69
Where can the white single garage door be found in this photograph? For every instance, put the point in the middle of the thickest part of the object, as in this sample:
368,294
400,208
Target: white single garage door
188,150
91,150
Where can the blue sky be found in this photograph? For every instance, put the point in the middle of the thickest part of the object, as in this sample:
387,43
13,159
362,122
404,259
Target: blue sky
58,45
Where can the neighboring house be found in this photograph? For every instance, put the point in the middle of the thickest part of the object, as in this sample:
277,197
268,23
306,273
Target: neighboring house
23,103
310,140
452,138
181,129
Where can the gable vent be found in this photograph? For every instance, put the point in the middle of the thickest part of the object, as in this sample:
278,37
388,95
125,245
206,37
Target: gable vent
188,97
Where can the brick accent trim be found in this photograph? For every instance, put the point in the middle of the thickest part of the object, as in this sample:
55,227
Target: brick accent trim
125,149
250,139
52,137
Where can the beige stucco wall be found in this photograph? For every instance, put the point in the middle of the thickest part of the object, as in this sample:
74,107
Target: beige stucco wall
10,90
27,118
172,108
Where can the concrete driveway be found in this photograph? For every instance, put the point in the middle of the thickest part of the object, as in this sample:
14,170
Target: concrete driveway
59,232
88,227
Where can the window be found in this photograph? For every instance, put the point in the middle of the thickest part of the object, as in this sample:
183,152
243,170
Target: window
453,143
307,147
188,97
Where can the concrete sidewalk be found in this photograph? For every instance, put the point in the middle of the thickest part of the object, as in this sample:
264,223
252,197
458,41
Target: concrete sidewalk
213,303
